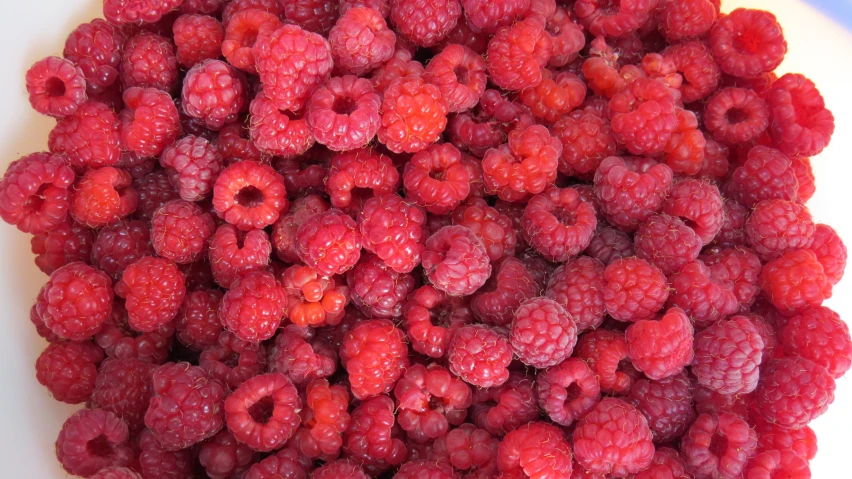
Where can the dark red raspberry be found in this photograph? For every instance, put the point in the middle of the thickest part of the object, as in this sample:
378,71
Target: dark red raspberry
291,63
661,348
748,43
715,163
278,132
517,53
361,40
305,175
830,251
262,412
429,400
705,298
123,387
778,462
197,323
667,243
567,391
543,334
235,144
95,48
437,178
149,121
136,165
75,301
666,404
223,456
460,75
608,245
149,62
232,361
613,438
34,193
432,319
91,440
373,353
455,261
799,123
613,20
605,352
329,242
793,392
727,356
378,290
155,461
393,229
284,230
300,357
486,17
694,60
733,224
103,196
236,6
180,231
369,439
64,244
119,245
630,190
287,462
708,401
558,223
154,290
197,38
821,336
252,309
249,195
312,15
774,437
413,115
88,138
338,469
344,114
469,450
480,356
68,370
207,7
358,170
425,22
213,93
765,175
735,115
138,11
537,450
57,87
526,165
794,282
506,407
643,116
119,340
634,290
740,267
510,285
718,445
699,204
779,226
586,140
234,253
688,19
242,32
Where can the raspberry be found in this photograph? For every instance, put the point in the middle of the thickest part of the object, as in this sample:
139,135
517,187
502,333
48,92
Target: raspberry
613,438
284,230
425,470
537,450
119,245
765,175
287,462
511,284
727,356
154,461
118,340
91,440
524,166
236,6
88,137
578,287
75,301
607,19
64,244
369,437
116,473
608,245
149,61
235,144
329,242
123,387
460,75
821,336
506,407
666,464
517,53
381,6
830,252
487,17
338,469
324,421
242,32
805,178
694,60
222,456
666,404
34,193
741,268
437,178
312,15
197,322
103,196
137,166
586,138
56,87
180,231
291,63
795,281
300,357
249,195
378,290
718,446
748,43
799,124
687,19
232,361
149,121
154,290
344,114
793,392
413,115
373,355
213,93
425,22
770,463
197,38
776,227
361,40
400,66
313,300
207,7
305,175
630,190
277,132
733,224
429,400
667,243
704,297
643,116
735,115
634,290
393,229
358,170
95,48
699,204
493,228
661,348
480,356
604,350
567,391
138,11
186,407
469,450
68,370
801,441
455,261
234,253
558,223
543,333
253,307
262,412
432,319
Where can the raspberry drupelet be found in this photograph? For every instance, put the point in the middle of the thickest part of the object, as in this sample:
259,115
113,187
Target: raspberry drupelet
424,22
249,195
180,231
392,228
718,445
102,196
661,348
455,261
56,87
543,334
91,440
431,319
343,114
153,289
262,412
66,243
414,113
95,48
213,93
605,352
149,61
480,356
242,32
429,400
630,190
666,404
197,324
329,242
517,53
819,335
252,309
537,450
613,438
234,253
747,43
635,289
68,370
374,355
35,192
525,165
460,74
567,391
119,245
75,301
197,38
558,223
766,174
354,171
149,121
89,137
361,40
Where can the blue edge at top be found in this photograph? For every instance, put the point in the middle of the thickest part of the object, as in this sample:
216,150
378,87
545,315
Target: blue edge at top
838,10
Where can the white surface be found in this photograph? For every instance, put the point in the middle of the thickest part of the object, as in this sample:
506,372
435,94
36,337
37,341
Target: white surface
30,30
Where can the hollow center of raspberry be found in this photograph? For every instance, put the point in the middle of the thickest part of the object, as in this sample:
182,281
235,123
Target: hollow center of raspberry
99,447
54,87
462,74
249,38
249,197
748,42
718,445
736,115
261,411
566,217
436,174
344,105
232,360
572,393
35,202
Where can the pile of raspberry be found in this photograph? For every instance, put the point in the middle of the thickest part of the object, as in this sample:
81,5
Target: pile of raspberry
444,239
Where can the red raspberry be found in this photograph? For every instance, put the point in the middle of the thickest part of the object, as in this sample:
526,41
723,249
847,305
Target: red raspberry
393,229
432,319
506,407
300,357
567,38
373,353
149,121
358,170
793,392
91,440
510,285
704,297
329,242
138,11
425,22
795,281
469,450
213,93
305,175
480,356
291,63
805,177
75,301
740,267
661,348
324,421
119,340
666,463
232,361
776,227
524,166
493,228
234,253
344,114
727,356
312,15
116,473
413,115
687,19
631,190
68,370
34,193
607,19
236,6
537,451
223,456
437,178
774,437
821,336
136,165
613,438
608,245
605,351
455,261
667,243
684,152
643,116
180,231
57,87
197,38
154,290
799,124
242,32
517,53
361,40
284,230
378,290
486,17
578,287
235,144
748,43
154,461
694,60
543,333
249,195
423,469
715,163
780,462
64,244
88,137
558,223
460,75
207,7
718,446
313,300
262,412
634,290
666,404
830,251
186,407
253,307
197,323
119,245
429,400
95,48
123,387
699,204
735,115
339,469
369,439
586,140
149,62
278,132
568,391
103,196
733,224
399,66
381,6
765,175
